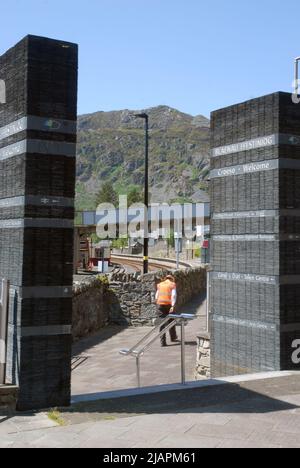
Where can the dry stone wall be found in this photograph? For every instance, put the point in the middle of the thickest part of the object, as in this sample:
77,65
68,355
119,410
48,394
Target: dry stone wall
203,357
127,299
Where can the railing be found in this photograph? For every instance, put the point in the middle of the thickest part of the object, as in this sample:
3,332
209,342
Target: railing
147,341
4,291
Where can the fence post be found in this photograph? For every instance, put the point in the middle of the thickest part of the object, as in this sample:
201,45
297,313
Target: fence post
4,284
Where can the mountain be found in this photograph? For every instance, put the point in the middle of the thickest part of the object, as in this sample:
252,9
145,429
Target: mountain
111,149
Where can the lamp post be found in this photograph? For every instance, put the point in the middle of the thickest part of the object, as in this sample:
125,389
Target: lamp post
146,191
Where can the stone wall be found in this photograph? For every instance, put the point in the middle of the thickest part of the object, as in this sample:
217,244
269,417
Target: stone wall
127,299
203,357
8,397
90,311
132,297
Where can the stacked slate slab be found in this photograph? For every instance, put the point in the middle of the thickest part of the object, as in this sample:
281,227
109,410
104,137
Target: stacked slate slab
37,180
255,227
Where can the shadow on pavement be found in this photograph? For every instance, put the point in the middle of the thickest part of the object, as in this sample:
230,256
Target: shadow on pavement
97,338
249,397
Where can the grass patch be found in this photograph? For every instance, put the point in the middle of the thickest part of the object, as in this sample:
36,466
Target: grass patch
55,416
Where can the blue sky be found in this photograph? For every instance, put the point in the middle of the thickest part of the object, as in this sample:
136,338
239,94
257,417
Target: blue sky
193,55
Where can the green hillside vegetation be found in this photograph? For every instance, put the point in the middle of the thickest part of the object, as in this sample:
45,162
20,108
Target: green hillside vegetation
111,151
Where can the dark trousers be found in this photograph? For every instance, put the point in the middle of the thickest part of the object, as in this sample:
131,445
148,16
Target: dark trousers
163,312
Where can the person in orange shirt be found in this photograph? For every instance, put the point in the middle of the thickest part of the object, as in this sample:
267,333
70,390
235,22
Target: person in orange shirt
166,297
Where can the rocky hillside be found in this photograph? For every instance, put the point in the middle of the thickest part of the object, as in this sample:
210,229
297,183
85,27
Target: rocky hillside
111,148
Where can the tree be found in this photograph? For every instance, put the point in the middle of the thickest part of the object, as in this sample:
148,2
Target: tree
120,243
107,194
171,238
135,195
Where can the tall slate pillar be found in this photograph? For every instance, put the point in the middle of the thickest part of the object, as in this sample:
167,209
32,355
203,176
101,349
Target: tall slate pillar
37,180
255,204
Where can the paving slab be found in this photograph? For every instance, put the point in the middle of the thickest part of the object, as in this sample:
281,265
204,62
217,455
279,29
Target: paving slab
175,441
245,414
101,367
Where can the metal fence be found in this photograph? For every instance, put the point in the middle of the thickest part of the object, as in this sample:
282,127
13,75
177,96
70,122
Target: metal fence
4,291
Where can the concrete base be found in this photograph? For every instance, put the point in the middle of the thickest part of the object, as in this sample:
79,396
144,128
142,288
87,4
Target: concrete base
8,396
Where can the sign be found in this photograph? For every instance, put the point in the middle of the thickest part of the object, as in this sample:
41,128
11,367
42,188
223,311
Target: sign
39,124
255,237
246,214
246,237
245,323
245,169
245,278
261,142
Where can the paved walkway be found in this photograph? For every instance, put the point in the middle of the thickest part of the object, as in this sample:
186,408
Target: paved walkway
246,411
252,413
98,366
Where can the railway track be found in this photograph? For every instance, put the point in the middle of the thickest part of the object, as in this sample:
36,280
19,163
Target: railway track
136,264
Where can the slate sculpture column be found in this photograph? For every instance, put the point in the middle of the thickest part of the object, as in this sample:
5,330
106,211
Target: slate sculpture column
255,204
37,180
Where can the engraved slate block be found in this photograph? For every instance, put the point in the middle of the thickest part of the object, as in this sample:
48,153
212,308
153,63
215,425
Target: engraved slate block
239,350
39,311
37,187
246,257
233,299
255,228
37,256
44,359
247,223
248,192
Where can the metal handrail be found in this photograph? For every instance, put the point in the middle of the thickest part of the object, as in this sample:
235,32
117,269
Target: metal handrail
127,352
161,333
182,319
